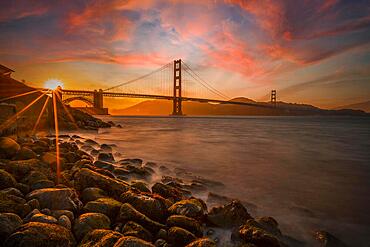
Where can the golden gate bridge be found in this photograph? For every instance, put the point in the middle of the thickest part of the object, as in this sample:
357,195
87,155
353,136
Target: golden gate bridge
175,81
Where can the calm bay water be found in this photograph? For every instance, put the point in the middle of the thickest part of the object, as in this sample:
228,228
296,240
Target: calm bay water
307,172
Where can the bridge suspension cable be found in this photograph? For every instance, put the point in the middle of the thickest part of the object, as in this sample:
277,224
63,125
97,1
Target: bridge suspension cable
139,78
198,79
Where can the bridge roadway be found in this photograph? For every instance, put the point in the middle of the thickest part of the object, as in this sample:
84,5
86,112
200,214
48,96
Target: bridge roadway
150,96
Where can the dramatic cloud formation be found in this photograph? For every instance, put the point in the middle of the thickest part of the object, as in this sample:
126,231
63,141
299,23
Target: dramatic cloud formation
242,46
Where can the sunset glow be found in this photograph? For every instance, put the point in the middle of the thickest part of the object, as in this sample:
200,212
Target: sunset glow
53,84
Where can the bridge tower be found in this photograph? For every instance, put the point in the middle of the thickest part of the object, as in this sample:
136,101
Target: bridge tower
177,106
273,97
98,99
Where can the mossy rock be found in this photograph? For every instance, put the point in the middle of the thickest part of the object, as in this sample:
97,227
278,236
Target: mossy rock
100,237
88,222
8,148
6,180
106,205
35,234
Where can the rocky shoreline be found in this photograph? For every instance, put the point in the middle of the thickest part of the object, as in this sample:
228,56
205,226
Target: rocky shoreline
102,200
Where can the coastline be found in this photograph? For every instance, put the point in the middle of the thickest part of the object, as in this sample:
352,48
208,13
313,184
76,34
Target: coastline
125,197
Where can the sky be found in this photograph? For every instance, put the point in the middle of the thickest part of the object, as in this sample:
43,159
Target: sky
310,51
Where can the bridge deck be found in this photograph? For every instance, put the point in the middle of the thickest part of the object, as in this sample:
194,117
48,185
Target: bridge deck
164,97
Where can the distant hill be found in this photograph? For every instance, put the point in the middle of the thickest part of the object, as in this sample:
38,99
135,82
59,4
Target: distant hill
364,106
164,107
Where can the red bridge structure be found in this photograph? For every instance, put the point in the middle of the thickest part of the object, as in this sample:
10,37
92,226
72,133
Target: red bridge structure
175,81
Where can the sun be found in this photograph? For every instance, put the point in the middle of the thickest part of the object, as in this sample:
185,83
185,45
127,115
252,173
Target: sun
53,84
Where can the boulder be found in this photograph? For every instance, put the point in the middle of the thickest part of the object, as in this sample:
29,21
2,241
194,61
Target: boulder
92,194
106,205
24,188
13,204
232,214
12,191
133,229
167,192
21,168
41,184
257,236
203,242
6,180
35,234
57,213
179,236
56,198
8,148
132,242
152,207
25,153
135,162
88,222
104,165
129,213
193,208
141,186
34,204
186,223
9,222
65,221
43,218
100,237
328,240
85,178
106,148
107,157
33,177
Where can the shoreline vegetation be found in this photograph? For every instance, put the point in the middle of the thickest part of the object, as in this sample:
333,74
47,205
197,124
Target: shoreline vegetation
103,200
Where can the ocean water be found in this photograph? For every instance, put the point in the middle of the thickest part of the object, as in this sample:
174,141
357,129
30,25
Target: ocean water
309,173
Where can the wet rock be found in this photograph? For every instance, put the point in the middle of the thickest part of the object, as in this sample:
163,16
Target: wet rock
92,194
135,162
87,148
104,172
65,222
129,213
12,191
132,241
269,224
34,233
25,153
121,172
104,165
232,214
13,204
152,207
58,213
24,188
106,148
107,157
88,222
100,237
251,234
9,222
32,213
43,218
94,152
41,184
50,158
167,192
193,208
46,211
91,142
86,178
186,223
6,180
8,148
34,204
203,242
162,234
328,240
133,229
56,198
141,186
160,243
33,177
179,236
107,206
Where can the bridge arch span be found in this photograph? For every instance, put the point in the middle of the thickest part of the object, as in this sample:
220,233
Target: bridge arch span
80,98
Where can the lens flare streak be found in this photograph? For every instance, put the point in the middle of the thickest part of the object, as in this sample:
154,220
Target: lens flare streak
40,115
56,136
